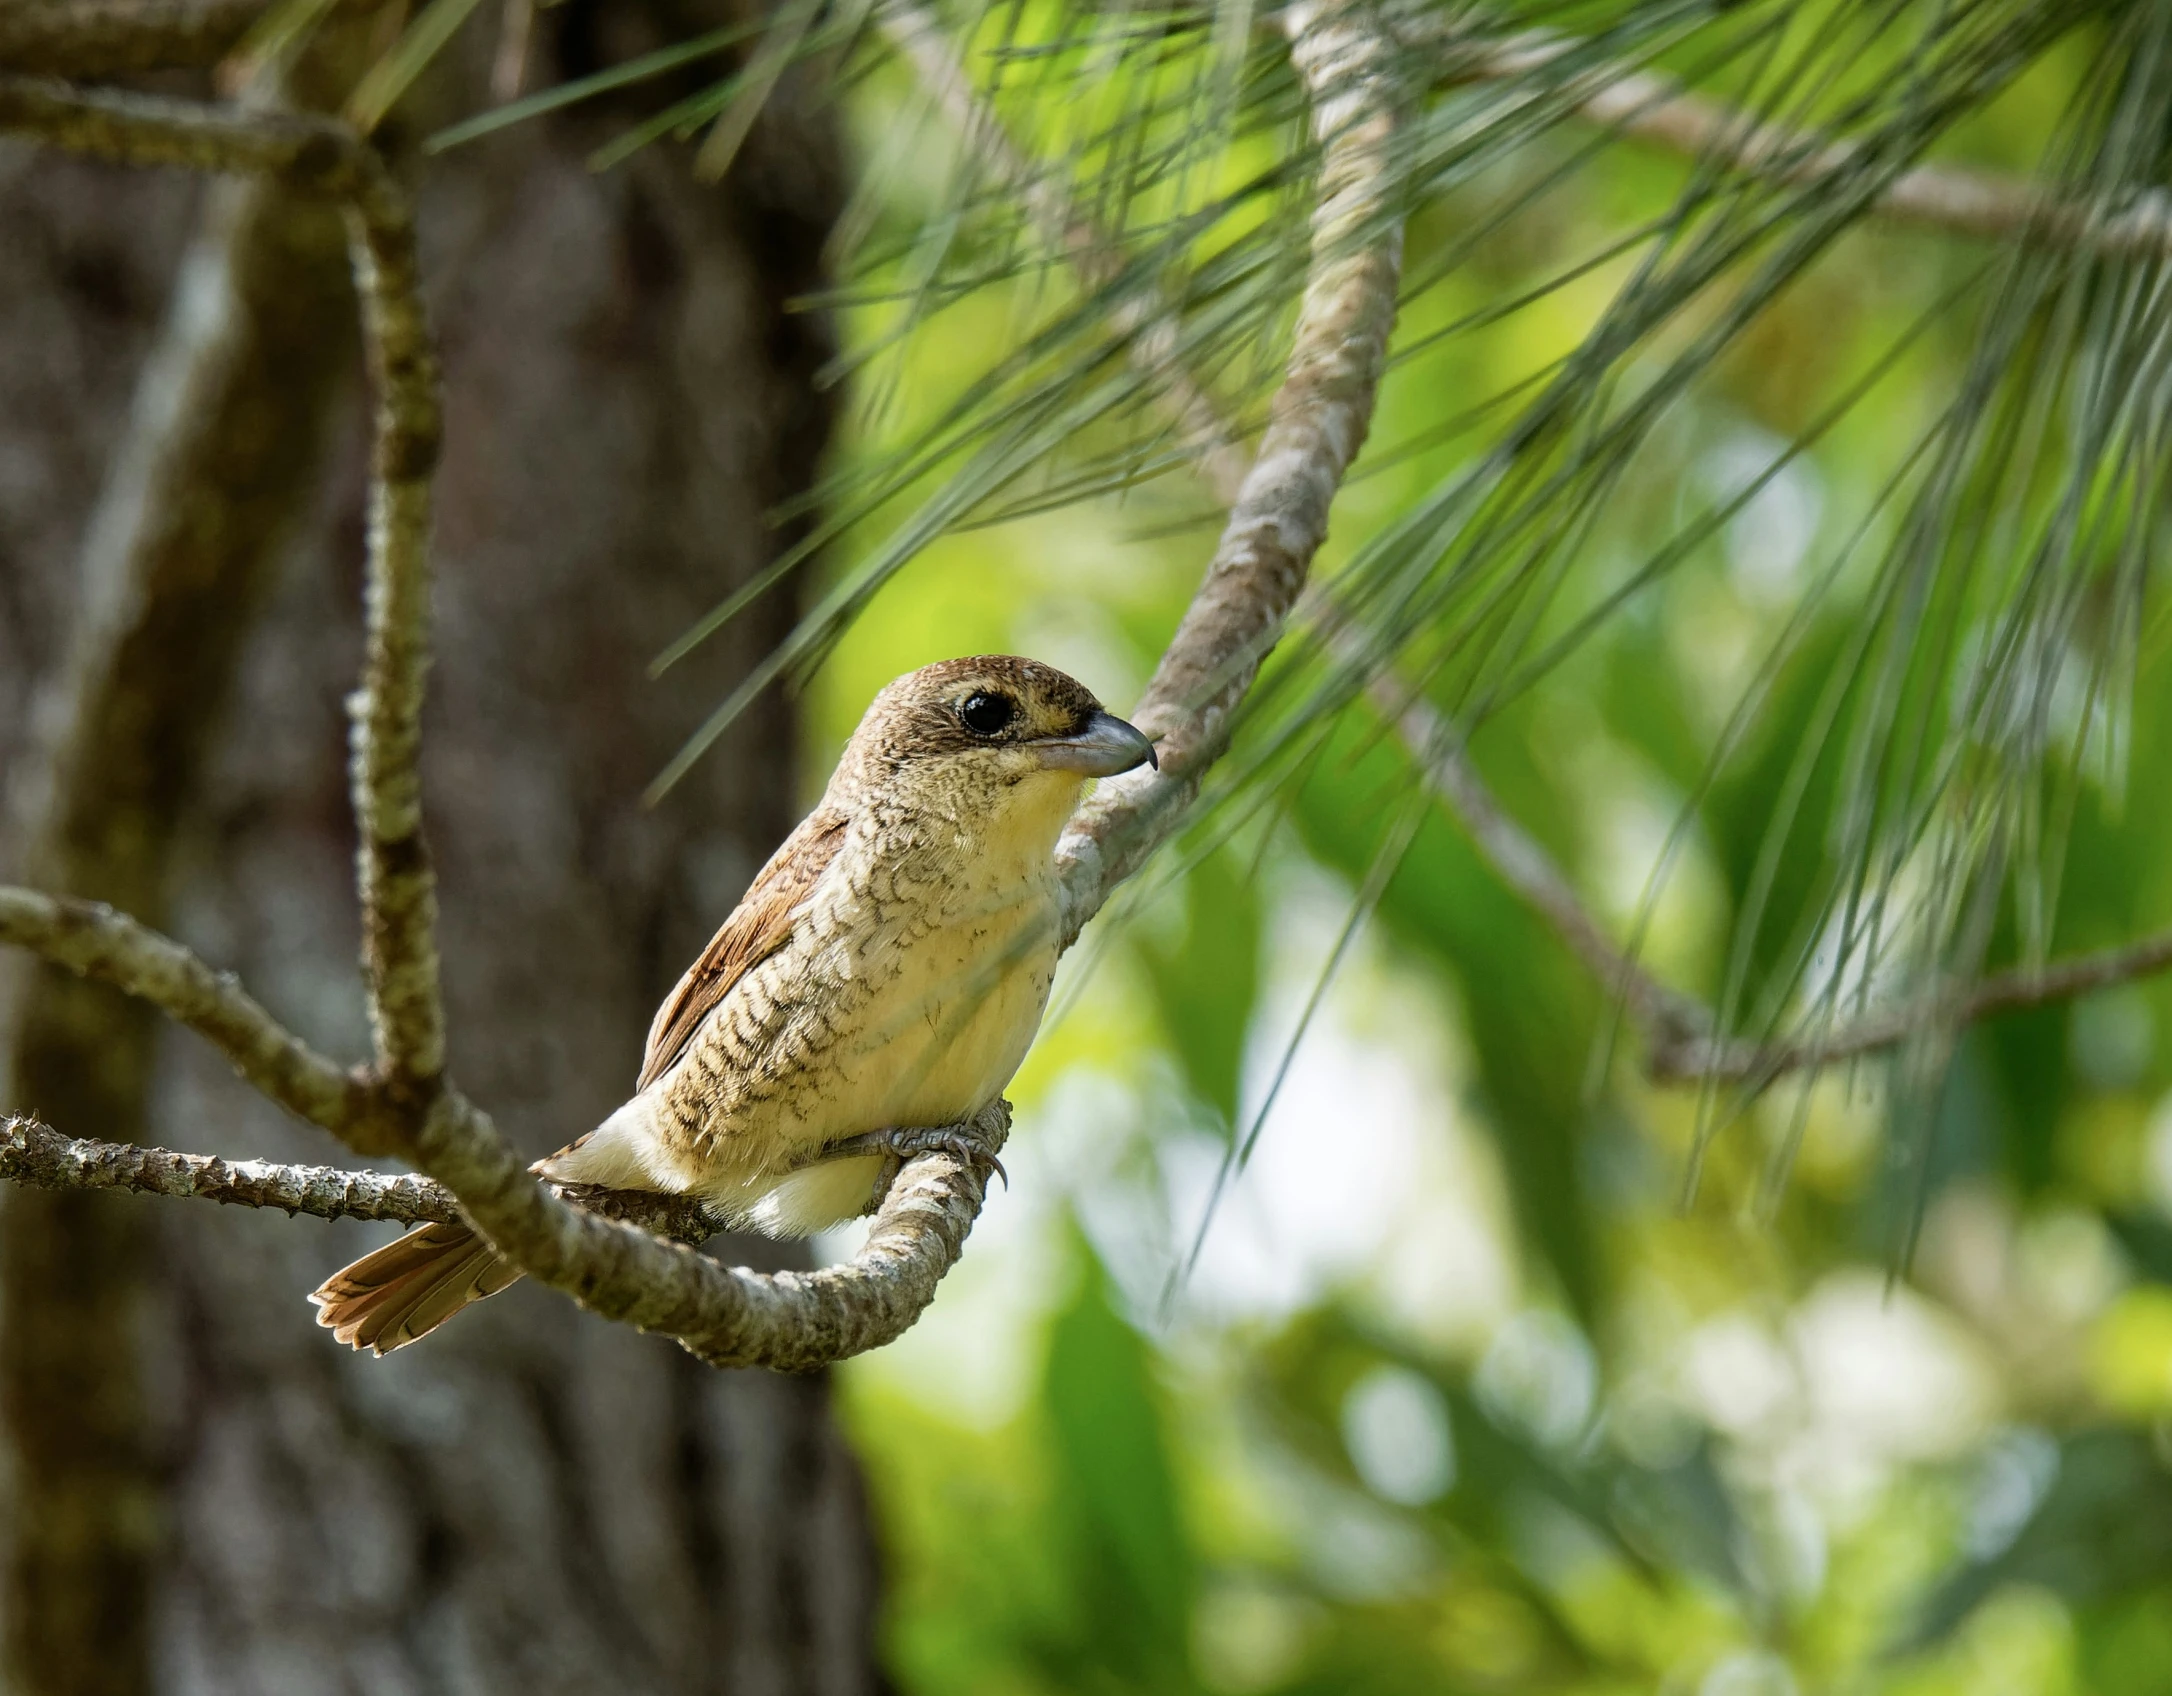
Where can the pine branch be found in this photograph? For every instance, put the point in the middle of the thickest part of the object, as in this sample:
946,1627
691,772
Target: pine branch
394,879
1142,317
1664,1013
1946,198
1348,65
1677,1027
1747,1060
91,939
36,1154
728,1316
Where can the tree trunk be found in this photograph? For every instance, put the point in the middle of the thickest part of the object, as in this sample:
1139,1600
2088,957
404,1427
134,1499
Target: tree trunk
531,1500
213,464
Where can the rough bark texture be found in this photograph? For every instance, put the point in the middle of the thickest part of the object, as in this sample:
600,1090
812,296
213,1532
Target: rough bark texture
84,274
31,1153
537,1501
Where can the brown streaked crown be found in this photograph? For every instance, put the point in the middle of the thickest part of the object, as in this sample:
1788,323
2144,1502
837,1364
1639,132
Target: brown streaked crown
983,701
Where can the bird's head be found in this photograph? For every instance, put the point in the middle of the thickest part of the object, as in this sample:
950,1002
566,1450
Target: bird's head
989,729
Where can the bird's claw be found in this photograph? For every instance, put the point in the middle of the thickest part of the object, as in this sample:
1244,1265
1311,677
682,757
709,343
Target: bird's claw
903,1143
954,1140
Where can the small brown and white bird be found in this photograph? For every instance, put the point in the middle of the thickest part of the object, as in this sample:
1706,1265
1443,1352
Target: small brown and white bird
886,972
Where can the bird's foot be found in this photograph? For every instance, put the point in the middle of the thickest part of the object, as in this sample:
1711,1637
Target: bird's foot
902,1143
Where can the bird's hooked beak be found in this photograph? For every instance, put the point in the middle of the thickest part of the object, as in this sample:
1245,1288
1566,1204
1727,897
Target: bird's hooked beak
1105,747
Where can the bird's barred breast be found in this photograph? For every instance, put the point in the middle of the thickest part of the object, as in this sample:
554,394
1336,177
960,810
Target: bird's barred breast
908,994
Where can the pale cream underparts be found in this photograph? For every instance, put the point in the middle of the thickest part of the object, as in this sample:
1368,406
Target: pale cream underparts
906,997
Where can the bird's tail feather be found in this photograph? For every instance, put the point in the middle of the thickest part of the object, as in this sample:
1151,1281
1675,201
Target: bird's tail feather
409,1288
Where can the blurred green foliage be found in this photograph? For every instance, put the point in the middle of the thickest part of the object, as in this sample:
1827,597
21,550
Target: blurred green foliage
1467,1395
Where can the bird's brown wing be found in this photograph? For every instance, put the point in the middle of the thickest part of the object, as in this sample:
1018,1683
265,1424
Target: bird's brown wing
757,928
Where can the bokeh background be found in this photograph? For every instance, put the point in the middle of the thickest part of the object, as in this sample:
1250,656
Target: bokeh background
1467,1391
1499,1366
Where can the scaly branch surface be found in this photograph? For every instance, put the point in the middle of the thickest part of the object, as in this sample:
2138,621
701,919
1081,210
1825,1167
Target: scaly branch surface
34,1153
392,873
790,1321
89,938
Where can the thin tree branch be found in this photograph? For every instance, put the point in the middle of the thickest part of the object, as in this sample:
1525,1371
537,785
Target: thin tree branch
1318,422
1947,198
1666,1014
106,38
1749,1060
90,938
314,153
728,1316
34,1153
1678,1028
394,879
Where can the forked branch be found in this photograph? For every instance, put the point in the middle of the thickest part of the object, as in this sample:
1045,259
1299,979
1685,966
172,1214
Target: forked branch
320,155
726,1315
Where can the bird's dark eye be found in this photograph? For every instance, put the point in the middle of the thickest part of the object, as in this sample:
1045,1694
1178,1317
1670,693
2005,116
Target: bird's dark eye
985,714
